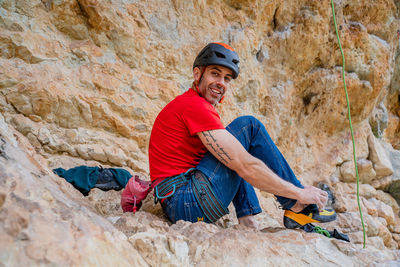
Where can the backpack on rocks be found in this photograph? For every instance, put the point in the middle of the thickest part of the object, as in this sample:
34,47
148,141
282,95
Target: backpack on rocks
136,190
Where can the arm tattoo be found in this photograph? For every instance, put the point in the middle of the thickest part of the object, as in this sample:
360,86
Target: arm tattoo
213,144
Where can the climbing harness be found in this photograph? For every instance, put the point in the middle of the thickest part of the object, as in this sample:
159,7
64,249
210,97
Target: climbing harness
168,186
351,126
205,196
202,189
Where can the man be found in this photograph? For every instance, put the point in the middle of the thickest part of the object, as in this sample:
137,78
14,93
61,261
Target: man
227,162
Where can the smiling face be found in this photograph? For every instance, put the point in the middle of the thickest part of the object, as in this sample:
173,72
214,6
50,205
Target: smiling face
214,83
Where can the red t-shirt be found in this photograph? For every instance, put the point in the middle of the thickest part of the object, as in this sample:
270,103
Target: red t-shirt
174,145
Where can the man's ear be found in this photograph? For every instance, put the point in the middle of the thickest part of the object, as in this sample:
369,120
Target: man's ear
196,73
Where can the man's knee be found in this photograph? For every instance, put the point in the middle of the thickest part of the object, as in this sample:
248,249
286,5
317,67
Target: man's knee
243,121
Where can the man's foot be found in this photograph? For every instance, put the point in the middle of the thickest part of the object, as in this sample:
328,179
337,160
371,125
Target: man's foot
298,207
309,214
248,221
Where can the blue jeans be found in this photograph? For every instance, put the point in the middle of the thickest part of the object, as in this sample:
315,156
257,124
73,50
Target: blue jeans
227,184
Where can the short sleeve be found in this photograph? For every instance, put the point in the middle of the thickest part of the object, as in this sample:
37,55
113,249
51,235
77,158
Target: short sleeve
201,116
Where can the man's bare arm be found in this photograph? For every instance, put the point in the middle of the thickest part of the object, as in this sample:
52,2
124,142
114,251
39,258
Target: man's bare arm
228,150
217,150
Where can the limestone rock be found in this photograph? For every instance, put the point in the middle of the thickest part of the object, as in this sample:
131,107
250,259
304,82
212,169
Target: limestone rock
203,243
372,226
82,82
377,155
346,197
394,186
379,120
51,218
370,207
346,203
384,211
382,183
159,249
347,171
97,153
368,191
106,203
388,200
391,183
116,156
366,171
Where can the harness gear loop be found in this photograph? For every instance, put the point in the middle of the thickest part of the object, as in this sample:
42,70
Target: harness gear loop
212,207
162,197
168,186
202,190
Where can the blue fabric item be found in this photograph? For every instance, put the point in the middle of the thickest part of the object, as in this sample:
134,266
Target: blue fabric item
84,178
121,176
227,184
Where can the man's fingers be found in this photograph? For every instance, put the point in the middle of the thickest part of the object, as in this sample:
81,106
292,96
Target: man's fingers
324,199
316,196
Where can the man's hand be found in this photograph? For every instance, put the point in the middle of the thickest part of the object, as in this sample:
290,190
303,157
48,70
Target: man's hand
313,195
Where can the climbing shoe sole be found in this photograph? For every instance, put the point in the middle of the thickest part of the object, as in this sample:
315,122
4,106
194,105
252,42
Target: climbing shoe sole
294,220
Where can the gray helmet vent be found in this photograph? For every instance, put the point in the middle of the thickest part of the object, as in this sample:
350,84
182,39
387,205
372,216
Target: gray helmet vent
218,54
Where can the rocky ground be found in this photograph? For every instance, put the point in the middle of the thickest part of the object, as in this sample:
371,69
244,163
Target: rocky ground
81,82
45,221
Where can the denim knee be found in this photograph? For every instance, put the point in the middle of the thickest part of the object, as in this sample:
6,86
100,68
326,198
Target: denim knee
243,121
245,128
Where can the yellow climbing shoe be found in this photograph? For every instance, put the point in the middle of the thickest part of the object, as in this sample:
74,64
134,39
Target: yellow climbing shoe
309,214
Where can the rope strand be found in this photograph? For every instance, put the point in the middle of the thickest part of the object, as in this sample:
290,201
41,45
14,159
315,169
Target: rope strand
351,126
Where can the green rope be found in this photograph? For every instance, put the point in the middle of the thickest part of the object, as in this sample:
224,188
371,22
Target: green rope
351,126
322,231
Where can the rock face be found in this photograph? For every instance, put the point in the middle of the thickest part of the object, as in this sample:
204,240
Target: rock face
81,82
45,221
